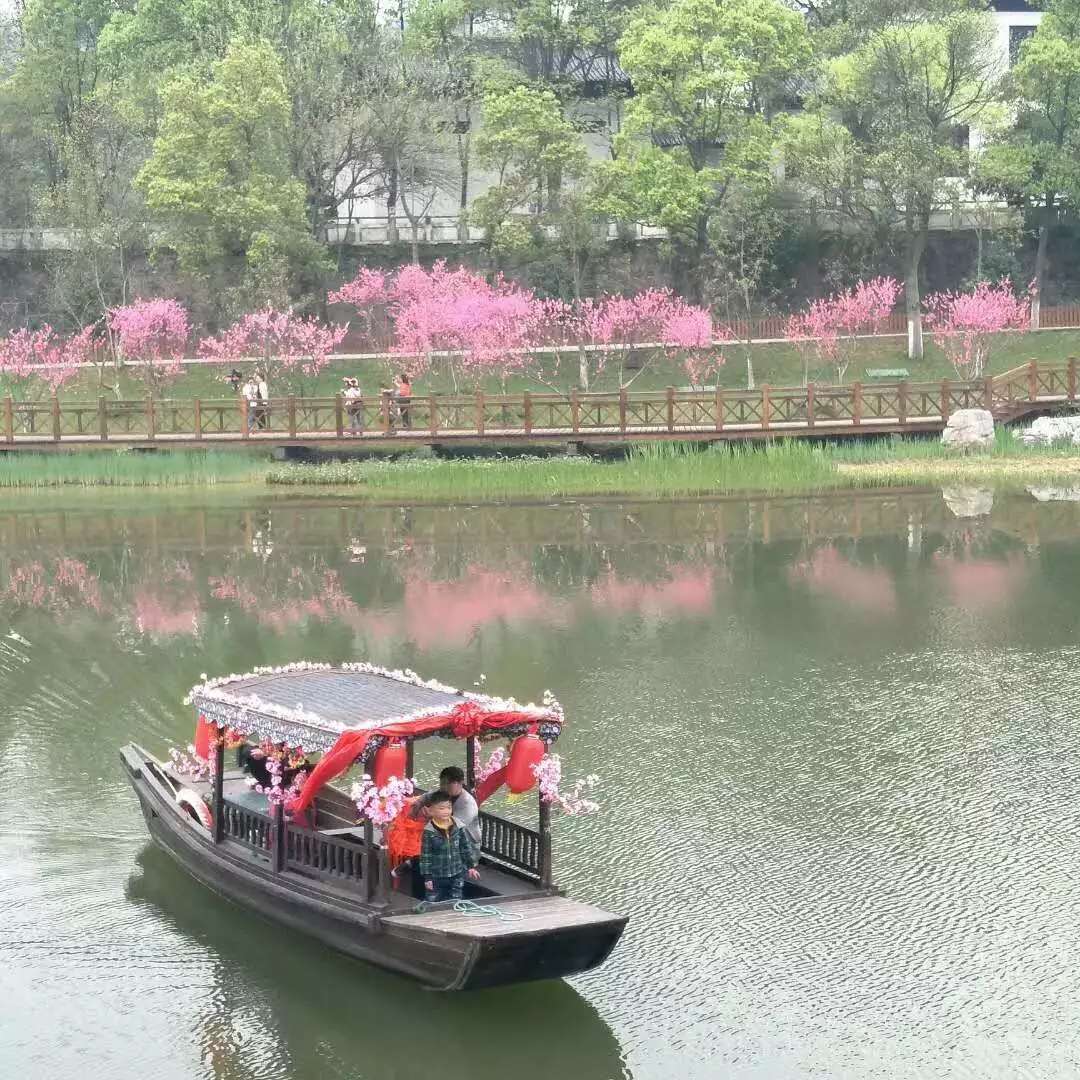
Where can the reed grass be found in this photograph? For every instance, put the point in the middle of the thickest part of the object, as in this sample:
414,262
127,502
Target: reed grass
125,468
681,469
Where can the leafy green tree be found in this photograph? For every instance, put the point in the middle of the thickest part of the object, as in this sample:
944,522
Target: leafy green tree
220,179
1038,160
888,134
710,78
532,148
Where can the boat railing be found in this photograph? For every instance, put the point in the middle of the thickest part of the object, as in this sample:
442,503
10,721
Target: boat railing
514,845
328,855
247,826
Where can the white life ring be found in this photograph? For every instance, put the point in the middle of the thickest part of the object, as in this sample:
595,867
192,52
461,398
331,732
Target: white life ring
196,806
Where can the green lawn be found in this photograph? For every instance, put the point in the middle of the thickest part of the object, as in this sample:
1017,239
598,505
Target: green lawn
777,365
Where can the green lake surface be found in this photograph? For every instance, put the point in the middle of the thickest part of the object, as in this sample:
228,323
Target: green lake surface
836,736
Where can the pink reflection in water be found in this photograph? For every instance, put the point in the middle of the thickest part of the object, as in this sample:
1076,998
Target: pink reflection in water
982,582
827,572
689,591
69,584
165,615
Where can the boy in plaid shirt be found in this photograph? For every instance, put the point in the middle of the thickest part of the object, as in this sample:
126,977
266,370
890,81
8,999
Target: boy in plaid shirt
446,852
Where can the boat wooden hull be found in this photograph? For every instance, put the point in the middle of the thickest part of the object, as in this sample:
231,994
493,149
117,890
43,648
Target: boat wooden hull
443,950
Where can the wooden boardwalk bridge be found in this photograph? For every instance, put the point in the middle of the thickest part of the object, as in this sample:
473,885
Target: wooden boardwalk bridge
718,414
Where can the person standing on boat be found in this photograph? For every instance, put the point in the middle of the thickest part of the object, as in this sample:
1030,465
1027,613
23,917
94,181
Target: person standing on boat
447,854
466,812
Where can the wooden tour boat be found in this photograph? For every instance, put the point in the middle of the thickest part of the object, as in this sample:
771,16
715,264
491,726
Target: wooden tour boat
308,863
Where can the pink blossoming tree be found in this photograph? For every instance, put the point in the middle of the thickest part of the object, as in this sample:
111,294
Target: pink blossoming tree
965,325
830,329
151,335
37,362
286,347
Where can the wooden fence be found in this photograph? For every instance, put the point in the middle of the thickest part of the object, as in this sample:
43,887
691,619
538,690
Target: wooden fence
618,415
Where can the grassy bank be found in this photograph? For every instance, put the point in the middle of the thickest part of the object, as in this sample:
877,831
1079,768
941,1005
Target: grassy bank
774,364
130,469
662,470
668,470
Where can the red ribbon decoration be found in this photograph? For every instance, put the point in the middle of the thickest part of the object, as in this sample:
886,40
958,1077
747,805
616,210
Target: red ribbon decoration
465,721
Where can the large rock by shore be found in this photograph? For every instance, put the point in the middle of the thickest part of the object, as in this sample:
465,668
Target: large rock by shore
969,429
1046,430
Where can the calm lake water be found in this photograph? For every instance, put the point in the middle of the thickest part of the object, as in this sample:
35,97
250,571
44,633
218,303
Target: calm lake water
836,736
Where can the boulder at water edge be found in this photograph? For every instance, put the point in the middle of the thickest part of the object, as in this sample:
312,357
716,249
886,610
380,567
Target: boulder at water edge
1047,430
969,429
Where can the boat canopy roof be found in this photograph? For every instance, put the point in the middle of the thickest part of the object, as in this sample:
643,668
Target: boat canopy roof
312,704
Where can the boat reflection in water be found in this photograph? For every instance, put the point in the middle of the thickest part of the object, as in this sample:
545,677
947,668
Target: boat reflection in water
277,1004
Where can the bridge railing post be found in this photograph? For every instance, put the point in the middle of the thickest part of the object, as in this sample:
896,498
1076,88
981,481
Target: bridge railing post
988,393
856,404
339,414
9,419
480,412
56,418
575,410
1033,379
1071,376
718,404
810,420
433,420
902,402
945,401
103,419
244,425
151,420
526,408
766,407
290,413
669,405
197,418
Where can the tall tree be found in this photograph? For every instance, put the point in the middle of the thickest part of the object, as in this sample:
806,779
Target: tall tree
906,99
221,181
1038,159
710,79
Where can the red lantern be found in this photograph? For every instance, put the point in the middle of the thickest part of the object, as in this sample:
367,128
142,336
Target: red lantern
390,760
526,751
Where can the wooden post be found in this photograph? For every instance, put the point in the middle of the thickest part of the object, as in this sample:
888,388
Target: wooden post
218,805
902,402
198,418
945,400
988,393
151,427
103,419
1033,379
56,418
371,861
622,410
470,763
244,418
810,421
9,419
1071,378
339,415
545,845
409,759
575,411
433,414
718,405
526,408
480,412
669,405
278,825
766,406
856,404
290,412
384,413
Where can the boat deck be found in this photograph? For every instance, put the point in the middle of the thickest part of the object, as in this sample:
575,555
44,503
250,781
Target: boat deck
538,914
